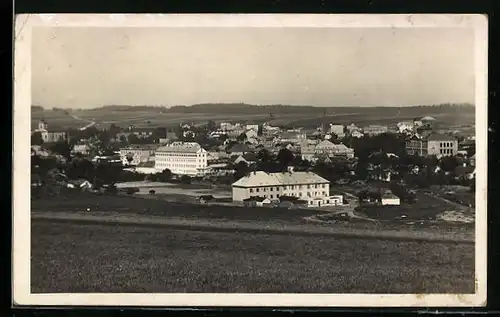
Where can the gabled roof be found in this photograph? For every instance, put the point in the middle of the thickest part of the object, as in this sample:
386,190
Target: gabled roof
239,147
260,178
427,118
181,147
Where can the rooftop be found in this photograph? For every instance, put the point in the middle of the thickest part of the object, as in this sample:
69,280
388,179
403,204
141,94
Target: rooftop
181,147
260,178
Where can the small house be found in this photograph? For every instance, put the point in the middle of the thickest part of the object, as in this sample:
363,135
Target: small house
389,199
255,201
203,199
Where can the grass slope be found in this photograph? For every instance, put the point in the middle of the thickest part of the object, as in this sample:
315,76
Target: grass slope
93,258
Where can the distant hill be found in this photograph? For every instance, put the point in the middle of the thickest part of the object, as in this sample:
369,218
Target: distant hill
242,108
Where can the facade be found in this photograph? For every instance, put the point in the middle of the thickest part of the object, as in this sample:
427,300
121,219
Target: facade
136,154
50,136
405,126
183,158
434,144
337,129
442,145
416,146
292,137
305,186
83,149
390,200
325,148
375,129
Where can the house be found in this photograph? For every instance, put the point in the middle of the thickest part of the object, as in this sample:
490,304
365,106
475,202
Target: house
239,149
375,129
389,199
51,136
306,186
357,134
138,153
292,137
80,183
248,158
83,149
405,126
39,151
256,201
326,148
441,144
434,144
253,127
337,129
183,158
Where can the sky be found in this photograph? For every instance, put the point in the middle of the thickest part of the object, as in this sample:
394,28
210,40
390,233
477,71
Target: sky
93,67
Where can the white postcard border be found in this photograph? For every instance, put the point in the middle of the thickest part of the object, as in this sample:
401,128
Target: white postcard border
21,154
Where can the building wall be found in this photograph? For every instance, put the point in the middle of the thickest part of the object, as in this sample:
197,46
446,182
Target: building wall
138,155
52,137
390,201
182,163
418,147
444,148
304,191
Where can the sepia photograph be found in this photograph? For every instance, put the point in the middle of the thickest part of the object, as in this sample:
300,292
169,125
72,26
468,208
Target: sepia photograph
250,160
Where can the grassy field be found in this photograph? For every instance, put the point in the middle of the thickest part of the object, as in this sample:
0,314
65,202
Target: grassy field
361,116
133,205
96,258
425,208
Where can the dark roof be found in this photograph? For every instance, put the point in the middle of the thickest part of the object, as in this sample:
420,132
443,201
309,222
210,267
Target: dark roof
239,147
440,137
250,157
206,197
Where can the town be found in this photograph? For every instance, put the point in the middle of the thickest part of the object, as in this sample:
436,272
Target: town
366,172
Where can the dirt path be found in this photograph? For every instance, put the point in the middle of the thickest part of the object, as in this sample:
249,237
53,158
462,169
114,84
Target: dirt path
247,226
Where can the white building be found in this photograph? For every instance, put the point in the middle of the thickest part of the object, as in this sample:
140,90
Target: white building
254,127
136,154
405,126
183,158
357,134
306,186
389,199
337,129
326,148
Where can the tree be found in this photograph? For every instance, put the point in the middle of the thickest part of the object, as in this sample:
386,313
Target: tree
185,179
61,148
241,169
263,156
165,175
36,138
285,157
211,126
448,163
242,137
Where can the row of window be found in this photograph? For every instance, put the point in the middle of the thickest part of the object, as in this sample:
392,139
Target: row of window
180,154
445,144
290,187
445,151
181,160
309,194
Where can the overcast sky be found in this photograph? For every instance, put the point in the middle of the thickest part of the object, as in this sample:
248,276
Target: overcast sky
92,67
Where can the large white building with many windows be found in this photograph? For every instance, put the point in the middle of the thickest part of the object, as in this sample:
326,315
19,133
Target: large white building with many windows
306,186
183,158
